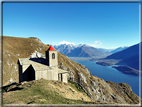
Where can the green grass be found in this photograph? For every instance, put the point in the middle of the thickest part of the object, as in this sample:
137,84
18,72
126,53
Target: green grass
76,86
41,93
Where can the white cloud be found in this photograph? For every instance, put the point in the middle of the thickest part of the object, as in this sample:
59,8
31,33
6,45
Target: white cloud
96,44
65,42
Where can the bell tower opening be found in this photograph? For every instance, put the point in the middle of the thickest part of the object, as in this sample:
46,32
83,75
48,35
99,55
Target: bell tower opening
53,55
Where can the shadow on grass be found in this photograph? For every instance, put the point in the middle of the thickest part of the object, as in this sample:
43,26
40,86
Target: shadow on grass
8,88
15,89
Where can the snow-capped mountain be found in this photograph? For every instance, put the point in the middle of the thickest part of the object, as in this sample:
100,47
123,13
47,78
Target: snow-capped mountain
64,48
81,50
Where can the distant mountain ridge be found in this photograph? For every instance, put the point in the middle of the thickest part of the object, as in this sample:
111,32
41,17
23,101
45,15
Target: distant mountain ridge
129,56
81,50
129,52
119,49
105,50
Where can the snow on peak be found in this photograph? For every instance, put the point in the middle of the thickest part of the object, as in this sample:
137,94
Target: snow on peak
79,45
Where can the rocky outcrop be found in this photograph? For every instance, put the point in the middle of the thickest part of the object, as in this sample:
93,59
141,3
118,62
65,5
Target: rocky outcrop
99,90
37,54
37,39
87,70
124,91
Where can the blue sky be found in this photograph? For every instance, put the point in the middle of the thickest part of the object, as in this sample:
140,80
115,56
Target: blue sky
102,25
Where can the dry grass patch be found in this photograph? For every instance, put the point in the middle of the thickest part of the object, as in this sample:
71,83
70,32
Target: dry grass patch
45,92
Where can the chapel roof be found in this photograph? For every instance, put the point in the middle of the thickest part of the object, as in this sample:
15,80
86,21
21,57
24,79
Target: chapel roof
51,48
38,64
35,63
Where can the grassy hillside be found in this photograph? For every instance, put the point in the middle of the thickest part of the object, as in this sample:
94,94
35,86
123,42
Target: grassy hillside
45,92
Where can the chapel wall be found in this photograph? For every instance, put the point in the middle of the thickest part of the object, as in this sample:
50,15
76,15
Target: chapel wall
64,78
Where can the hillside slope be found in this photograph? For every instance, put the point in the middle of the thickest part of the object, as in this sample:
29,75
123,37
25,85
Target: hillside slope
97,89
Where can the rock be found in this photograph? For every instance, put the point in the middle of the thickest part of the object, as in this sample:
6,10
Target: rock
124,91
125,85
37,39
87,71
83,66
63,67
36,55
82,77
24,82
72,75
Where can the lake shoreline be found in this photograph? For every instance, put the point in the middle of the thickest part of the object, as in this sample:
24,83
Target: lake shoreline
122,68
107,73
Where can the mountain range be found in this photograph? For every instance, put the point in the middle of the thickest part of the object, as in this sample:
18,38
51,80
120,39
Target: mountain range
83,50
126,55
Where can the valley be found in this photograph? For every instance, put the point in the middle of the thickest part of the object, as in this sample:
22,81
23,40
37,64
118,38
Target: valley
128,56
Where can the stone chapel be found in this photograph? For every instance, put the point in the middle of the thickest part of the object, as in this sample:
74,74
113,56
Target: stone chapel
39,67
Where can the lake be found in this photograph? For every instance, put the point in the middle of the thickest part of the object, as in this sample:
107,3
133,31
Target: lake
111,74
